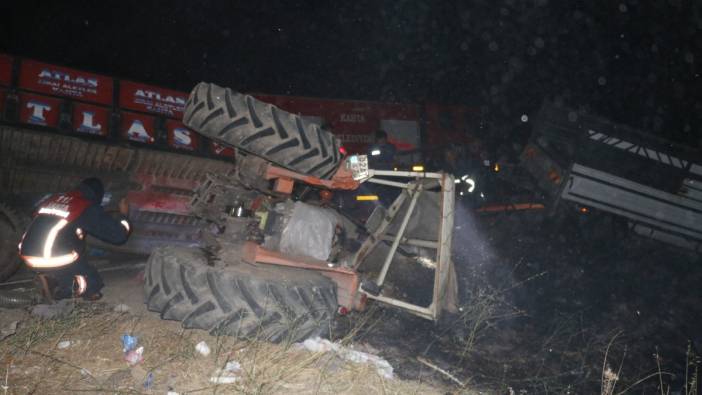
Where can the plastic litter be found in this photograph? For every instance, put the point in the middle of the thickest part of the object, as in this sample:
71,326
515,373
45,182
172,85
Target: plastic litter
317,344
228,375
172,393
149,382
63,344
221,378
121,308
232,367
134,357
203,348
129,342
132,354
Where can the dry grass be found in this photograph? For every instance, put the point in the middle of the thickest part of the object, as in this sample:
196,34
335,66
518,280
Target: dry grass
660,381
94,363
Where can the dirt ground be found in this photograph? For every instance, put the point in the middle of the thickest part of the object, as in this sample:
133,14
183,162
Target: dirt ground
539,314
81,352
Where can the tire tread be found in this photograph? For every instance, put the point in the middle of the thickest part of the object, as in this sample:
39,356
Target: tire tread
270,303
262,129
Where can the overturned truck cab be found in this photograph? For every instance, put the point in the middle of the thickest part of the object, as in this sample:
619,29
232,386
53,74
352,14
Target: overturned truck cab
591,163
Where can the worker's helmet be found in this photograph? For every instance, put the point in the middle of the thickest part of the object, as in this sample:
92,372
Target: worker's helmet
95,186
380,134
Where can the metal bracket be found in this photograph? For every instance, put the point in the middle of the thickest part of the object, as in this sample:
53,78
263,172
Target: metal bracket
412,189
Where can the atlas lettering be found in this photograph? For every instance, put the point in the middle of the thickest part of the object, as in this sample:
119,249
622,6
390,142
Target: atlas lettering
137,132
65,77
88,125
142,93
38,110
154,101
182,138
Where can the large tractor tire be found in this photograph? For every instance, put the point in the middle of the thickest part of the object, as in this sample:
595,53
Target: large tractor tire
270,303
11,229
262,129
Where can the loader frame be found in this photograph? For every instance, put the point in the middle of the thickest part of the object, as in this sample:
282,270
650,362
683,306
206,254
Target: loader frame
351,294
442,245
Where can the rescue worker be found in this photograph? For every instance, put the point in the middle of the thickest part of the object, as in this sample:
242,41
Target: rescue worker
54,243
381,155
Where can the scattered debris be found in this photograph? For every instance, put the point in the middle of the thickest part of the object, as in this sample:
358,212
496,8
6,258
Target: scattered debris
203,348
228,375
442,371
129,342
134,357
242,366
121,308
55,310
149,382
232,367
318,344
8,330
220,377
63,344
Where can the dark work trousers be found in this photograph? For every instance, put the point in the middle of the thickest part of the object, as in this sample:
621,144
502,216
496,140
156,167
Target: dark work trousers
64,279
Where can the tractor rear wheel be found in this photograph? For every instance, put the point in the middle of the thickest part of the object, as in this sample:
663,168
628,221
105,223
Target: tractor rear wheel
262,129
265,302
11,229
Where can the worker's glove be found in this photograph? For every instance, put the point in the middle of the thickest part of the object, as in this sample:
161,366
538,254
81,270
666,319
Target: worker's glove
124,207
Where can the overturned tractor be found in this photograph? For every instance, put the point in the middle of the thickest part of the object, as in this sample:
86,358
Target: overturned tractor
280,261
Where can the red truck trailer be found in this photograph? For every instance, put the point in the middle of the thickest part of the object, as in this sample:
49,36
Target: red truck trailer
59,125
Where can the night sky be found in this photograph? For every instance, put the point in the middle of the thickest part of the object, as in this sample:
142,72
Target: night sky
634,61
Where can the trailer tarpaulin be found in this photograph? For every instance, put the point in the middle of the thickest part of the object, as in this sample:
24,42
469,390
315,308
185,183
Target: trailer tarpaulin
62,81
148,98
5,70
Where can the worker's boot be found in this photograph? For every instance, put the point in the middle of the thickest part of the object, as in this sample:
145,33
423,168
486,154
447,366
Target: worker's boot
46,286
81,288
92,297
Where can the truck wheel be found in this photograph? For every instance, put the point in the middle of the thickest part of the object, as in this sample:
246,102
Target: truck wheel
11,229
262,129
270,303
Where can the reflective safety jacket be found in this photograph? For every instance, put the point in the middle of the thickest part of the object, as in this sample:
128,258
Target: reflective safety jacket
56,236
